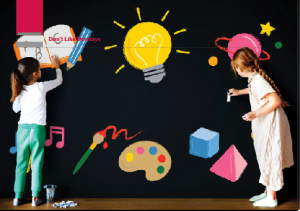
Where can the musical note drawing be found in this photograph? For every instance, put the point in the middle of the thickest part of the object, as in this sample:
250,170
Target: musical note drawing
59,144
13,150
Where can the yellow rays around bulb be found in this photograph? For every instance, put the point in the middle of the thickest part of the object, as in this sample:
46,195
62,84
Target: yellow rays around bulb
109,47
123,27
165,16
182,30
138,12
179,51
122,66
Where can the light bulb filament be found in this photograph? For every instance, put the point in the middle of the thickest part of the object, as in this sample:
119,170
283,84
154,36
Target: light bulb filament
146,40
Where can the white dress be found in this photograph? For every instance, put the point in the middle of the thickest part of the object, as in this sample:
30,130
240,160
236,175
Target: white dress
272,136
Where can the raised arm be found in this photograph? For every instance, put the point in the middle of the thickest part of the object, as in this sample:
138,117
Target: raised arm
48,85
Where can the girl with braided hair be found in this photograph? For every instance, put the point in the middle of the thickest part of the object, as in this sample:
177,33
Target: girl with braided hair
269,123
29,97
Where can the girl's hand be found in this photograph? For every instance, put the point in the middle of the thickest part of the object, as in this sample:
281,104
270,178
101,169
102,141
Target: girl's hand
55,62
233,92
250,116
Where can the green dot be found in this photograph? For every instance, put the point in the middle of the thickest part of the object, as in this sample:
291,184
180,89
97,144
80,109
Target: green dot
278,45
160,169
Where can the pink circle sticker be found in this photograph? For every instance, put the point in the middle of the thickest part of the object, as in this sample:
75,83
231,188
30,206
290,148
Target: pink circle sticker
140,150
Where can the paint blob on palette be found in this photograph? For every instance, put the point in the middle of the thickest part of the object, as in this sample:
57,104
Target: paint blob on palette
149,156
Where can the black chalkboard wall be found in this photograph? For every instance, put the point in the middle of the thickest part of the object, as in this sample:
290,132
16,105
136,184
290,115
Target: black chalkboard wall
192,95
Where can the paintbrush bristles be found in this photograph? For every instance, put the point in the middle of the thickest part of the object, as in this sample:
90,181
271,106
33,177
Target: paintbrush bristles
98,139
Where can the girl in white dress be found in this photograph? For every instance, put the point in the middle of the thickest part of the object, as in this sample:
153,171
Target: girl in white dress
270,126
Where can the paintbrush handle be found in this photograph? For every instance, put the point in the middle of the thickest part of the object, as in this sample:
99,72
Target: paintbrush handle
97,139
83,159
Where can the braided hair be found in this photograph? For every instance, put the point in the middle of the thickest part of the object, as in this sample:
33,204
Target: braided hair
246,59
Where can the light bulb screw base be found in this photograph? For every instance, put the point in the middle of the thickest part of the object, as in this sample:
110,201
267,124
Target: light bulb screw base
154,74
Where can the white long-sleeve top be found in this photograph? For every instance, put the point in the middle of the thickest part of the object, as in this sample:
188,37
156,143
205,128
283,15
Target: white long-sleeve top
32,102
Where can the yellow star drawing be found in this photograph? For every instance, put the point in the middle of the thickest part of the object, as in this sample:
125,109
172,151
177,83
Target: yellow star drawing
266,29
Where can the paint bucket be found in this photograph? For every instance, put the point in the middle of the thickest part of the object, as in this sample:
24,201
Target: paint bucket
50,191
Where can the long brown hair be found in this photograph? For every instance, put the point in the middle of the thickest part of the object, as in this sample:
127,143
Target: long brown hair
22,75
246,59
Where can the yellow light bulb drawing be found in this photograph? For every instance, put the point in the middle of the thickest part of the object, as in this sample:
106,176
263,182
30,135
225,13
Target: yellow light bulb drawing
147,46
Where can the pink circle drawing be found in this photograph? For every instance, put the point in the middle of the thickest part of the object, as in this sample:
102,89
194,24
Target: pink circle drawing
240,41
140,150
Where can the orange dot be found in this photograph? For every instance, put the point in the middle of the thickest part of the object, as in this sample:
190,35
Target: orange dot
213,61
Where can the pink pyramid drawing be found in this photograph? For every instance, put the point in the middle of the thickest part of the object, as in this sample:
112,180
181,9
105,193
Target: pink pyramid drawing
230,165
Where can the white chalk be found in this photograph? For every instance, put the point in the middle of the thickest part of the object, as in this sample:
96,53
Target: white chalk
228,98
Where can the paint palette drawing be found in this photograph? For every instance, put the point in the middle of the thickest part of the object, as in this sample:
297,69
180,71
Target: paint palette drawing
149,156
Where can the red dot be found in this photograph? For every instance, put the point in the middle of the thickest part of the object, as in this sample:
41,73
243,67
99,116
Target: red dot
105,145
161,158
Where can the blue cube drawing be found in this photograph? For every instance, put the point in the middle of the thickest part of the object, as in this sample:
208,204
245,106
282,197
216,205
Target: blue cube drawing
204,143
